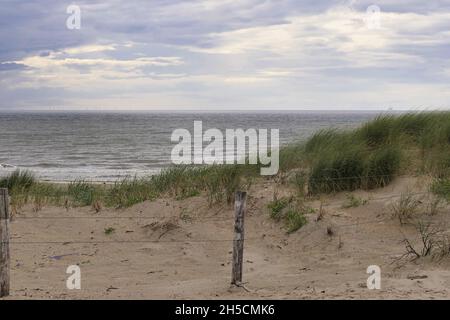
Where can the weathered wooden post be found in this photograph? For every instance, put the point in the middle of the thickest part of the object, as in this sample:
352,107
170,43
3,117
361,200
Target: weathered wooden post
4,243
238,242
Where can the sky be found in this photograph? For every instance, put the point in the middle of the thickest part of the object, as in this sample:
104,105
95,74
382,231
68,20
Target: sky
225,54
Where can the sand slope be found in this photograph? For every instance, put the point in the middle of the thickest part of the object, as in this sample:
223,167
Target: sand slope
182,249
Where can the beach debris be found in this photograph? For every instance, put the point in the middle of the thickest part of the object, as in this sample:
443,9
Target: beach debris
111,288
97,206
59,257
417,277
330,230
321,213
154,271
66,204
341,243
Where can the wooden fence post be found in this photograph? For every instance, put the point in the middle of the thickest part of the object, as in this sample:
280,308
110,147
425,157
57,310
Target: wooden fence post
238,242
4,243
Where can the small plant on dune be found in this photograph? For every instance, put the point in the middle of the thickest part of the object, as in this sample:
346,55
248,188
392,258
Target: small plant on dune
441,188
291,212
294,220
431,243
109,230
354,201
405,208
277,206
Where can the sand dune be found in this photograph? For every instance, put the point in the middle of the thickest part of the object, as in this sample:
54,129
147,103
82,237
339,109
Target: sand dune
182,249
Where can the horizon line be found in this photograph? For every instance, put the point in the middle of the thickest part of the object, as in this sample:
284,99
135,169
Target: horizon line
225,110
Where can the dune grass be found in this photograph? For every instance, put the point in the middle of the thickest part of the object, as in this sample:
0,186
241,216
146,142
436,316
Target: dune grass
277,206
18,180
441,188
373,154
367,157
292,212
219,183
294,220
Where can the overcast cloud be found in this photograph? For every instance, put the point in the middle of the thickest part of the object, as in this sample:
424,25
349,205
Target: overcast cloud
218,54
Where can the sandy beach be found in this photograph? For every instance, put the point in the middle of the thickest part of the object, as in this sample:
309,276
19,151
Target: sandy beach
181,249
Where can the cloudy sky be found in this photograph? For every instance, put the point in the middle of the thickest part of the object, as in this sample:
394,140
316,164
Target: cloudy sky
219,54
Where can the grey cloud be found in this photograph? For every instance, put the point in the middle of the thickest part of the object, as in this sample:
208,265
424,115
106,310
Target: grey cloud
8,66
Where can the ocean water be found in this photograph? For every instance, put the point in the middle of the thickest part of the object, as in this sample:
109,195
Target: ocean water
109,146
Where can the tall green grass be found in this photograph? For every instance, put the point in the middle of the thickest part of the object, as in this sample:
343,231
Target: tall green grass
218,182
373,154
82,193
18,180
337,171
382,166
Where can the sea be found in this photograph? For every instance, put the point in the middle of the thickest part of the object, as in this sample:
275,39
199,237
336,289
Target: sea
108,146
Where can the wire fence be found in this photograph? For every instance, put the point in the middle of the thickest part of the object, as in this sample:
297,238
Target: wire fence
197,219
309,246
200,219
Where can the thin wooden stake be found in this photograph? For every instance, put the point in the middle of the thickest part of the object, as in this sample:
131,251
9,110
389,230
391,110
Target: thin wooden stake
4,243
238,242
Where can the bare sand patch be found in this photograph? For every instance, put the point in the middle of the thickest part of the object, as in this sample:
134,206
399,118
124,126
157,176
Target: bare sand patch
169,249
